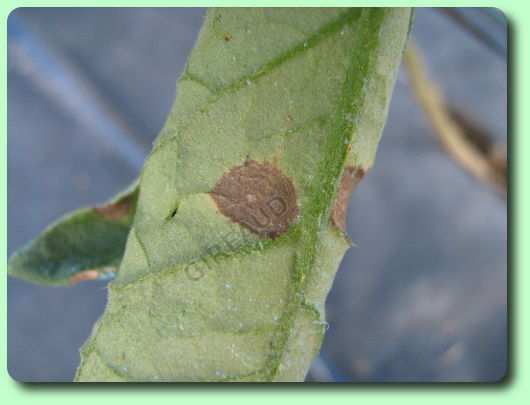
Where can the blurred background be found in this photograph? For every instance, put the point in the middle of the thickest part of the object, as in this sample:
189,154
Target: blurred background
423,295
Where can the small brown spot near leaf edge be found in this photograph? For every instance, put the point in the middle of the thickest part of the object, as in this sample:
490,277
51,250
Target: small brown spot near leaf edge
350,177
258,196
228,37
90,274
115,211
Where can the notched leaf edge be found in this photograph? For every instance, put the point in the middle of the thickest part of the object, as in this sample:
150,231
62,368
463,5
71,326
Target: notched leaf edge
350,177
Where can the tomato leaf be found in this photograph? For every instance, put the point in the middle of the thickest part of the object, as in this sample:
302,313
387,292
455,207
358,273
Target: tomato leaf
87,244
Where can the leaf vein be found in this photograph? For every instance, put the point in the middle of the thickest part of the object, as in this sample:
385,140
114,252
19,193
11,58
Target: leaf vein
324,32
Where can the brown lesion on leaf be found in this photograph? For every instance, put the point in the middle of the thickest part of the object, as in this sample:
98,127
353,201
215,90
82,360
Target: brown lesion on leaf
115,211
228,37
350,177
91,274
258,196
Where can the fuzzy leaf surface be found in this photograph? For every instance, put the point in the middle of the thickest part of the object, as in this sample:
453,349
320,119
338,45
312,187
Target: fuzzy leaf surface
299,93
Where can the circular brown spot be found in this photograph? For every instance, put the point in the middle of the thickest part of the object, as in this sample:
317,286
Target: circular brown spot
258,196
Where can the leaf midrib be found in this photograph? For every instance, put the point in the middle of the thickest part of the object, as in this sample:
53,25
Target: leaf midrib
335,154
325,182
311,41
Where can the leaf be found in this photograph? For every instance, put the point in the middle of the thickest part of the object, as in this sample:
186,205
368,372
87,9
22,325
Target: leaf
86,244
233,248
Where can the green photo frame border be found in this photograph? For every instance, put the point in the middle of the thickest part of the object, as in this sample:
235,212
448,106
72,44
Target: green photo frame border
511,389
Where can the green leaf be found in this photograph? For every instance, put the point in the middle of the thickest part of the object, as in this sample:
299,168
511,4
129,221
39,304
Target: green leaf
237,234
86,244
